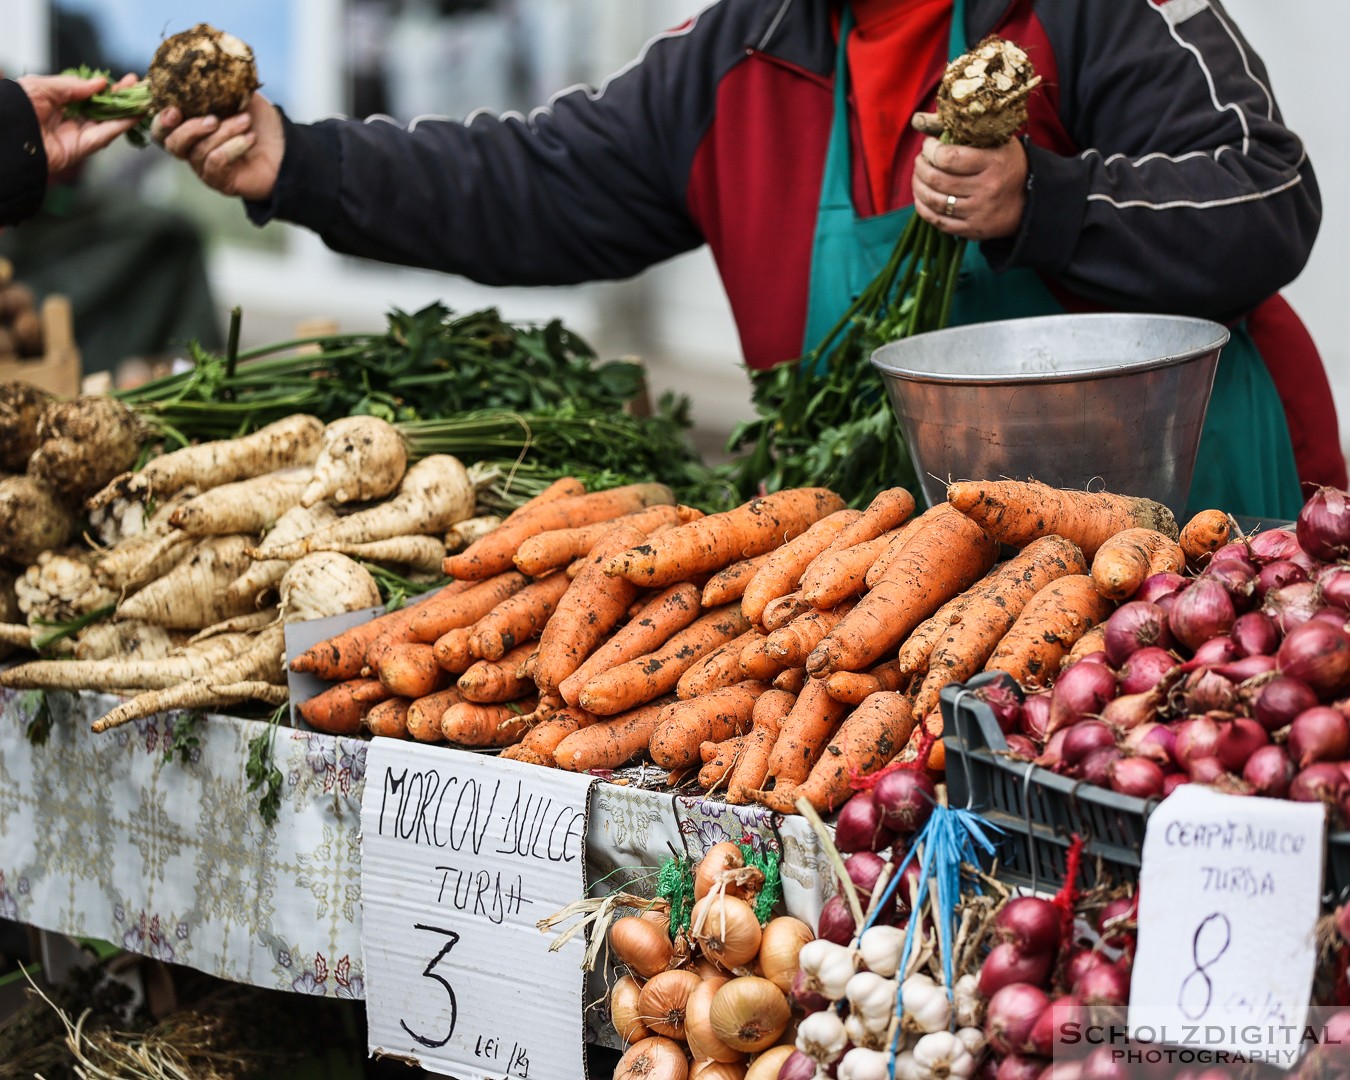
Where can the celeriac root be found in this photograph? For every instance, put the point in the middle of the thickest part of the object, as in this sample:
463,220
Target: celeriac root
84,443
32,520
244,506
363,458
21,407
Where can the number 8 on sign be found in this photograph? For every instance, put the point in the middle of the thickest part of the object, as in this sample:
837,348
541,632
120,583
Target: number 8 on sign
1211,941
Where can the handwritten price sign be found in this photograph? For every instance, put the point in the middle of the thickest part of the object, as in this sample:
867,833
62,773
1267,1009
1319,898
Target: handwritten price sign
1229,895
461,855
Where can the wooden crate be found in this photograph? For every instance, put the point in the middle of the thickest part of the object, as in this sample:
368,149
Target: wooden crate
58,371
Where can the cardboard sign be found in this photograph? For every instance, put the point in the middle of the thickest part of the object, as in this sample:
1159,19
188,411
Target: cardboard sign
1229,895
461,855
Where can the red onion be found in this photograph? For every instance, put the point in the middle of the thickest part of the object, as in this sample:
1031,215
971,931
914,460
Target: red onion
1146,669
1275,544
1011,1014
1323,525
908,888
1220,649
1112,919
1278,574
1081,958
1029,922
1334,581
1172,781
1203,611
1137,776
1083,738
1081,690
1106,1063
797,1066
1036,715
1235,549
1206,770
803,999
1157,742
1238,740
1332,617
1096,767
1128,711
1206,690
1051,756
1249,667
1003,701
859,826
1318,734
1255,634
1320,782
1006,965
1319,655
1134,626
1280,700
1156,586
1197,737
905,798
1062,1069
1237,576
1269,771
863,869
1103,984
836,921
1019,746
1293,605
1019,1067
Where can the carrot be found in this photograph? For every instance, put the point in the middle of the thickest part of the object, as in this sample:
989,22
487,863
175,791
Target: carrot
1034,647
782,611
790,679
714,542
945,555
792,644
937,754
1015,512
629,684
755,661
854,687
918,647
781,571
995,602
729,583
803,734
453,650
610,743
494,552
837,574
718,760
340,709
1126,559
868,738
468,723
889,509
592,606
1203,535
896,540
424,714
721,667
1092,641
562,488
462,604
667,613
518,618
411,671
549,550
492,681
343,655
771,707
543,737
716,715
389,718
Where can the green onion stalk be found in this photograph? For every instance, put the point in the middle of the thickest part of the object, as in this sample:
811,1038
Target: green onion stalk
133,102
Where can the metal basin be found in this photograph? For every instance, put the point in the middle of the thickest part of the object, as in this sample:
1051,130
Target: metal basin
1107,401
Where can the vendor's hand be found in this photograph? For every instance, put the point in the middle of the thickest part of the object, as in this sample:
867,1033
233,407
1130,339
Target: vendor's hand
69,140
240,155
989,186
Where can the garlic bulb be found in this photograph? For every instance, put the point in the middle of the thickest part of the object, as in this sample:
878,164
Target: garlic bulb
828,967
880,948
973,1039
860,1034
906,1068
871,998
821,1036
863,1064
925,1004
967,1004
941,1055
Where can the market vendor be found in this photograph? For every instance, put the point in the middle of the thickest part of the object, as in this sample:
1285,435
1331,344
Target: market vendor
38,139
1155,175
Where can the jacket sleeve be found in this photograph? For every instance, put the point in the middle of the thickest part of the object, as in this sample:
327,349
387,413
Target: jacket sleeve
23,160
1190,195
590,187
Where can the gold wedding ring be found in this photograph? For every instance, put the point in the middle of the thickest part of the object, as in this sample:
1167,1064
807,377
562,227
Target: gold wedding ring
950,208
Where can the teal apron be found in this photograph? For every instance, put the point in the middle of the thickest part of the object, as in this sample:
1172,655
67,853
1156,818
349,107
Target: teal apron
1245,463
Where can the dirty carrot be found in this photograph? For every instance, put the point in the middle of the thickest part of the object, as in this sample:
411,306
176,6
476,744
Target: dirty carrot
1203,535
453,651
1052,621
543,737
462,604
340,709
790,679
729,583
747,775
854,687
889,509
782,611
841,573
343,655
1092,641
562,488
389,719
755,661
721,667
716,715
783,567
424,714
792,644
629,684
518,618
611,742
492,681
718,760
918,647
549,550
1126,559
468,723
803,734
410,670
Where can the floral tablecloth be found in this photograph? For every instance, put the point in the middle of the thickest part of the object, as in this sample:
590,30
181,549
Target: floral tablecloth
163,851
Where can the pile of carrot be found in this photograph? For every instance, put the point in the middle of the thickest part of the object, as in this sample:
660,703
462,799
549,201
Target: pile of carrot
780,649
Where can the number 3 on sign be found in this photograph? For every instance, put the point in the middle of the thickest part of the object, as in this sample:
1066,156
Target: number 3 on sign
429,972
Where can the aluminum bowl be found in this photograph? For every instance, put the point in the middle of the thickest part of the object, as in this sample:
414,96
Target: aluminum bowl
1106,401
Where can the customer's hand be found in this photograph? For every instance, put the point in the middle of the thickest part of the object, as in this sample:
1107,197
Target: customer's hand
69,140
240,155
971,193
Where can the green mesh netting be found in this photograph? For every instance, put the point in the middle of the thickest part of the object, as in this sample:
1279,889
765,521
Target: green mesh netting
772,890
675,883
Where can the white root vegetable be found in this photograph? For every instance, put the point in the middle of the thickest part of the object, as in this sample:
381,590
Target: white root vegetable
326,583
117,674
157,560
363,458
245,506
192,595
424,553
9,611
117,565
261,662
59,589
32,520
265,574
435,493
21,407
463,533
126,641
288,443
83,444
252,622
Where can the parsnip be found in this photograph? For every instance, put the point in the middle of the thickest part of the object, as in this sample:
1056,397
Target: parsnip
32,520
143,547
363,458
116,674
424,553
326,583
264,575
192,595
127,641
245,506
15,636
250,623
463,533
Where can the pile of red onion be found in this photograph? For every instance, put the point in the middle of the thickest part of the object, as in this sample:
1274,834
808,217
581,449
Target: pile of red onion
1237,677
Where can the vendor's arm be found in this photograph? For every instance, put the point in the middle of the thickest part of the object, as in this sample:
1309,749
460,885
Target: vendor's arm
23,161
1191,195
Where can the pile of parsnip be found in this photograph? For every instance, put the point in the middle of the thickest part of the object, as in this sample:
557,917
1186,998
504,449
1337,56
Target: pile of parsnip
222,543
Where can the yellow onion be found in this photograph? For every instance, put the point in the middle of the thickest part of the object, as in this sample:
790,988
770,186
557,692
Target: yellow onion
726,929
640,943
767,1064
749,1013
653,1058
719,857
718,1070
698,1032
663,1001
625,1011
707,968
780,942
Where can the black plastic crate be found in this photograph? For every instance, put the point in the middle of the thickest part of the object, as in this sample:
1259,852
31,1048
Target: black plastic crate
1038,812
